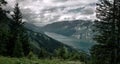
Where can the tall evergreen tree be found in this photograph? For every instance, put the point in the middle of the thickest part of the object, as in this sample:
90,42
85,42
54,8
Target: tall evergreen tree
13,35
17,30
107,33
16,25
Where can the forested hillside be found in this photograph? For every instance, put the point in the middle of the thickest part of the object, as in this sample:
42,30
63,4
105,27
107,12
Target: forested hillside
17,40
22,41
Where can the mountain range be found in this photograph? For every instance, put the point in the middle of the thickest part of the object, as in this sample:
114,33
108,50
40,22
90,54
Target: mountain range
80,29
38,40
77,33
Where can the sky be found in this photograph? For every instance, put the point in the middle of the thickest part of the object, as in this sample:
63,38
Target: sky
42,12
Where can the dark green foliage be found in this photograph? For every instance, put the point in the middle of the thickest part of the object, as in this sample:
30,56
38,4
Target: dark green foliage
31,56
40,40
19,38
66,54
62,53
14,39
7,60
24,38
18,50
26,44
107,33
43,53
3,29
3,40
101,54
81,56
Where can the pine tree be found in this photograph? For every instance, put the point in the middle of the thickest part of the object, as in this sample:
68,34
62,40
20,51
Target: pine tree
17,30
107,33
16,25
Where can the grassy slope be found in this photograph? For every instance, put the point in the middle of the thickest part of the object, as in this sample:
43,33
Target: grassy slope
5,60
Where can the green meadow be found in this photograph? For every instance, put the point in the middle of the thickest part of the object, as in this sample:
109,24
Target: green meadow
7,60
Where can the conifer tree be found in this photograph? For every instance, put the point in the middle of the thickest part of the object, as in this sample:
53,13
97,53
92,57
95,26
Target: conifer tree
16,25
17,30
107,33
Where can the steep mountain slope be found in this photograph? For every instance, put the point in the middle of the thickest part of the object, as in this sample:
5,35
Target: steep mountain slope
79,29
33,27
78,44
37,37
39,40
76,33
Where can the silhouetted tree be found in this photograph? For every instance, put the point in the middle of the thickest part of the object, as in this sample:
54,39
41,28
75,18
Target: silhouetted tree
107,33
17,30
16,25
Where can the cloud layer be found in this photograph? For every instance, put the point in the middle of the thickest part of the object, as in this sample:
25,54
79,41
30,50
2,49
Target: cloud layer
42,12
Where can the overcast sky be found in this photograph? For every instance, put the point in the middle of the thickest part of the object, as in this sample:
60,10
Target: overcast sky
41,12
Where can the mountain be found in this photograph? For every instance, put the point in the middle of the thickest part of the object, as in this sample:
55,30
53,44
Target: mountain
80,45
33,27
40,40
75,33
80,29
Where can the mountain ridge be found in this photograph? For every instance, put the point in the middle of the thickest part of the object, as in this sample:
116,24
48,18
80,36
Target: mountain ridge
40,40
79,29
